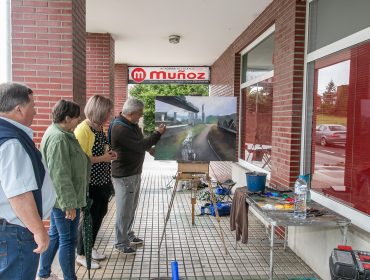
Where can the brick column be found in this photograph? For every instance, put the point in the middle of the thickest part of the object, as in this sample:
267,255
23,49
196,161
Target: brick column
120,86
99,65
48,53
288,89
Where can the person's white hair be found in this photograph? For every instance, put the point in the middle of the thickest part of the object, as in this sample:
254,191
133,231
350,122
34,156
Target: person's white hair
132,105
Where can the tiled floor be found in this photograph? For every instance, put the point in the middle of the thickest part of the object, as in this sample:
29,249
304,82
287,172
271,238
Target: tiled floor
198,249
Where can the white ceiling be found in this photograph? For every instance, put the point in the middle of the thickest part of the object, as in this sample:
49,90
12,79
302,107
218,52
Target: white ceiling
141,28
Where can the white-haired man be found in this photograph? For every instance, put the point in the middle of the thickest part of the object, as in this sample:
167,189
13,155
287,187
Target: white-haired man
130,145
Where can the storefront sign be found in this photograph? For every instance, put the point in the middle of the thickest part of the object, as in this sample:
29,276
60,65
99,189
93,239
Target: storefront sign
169,75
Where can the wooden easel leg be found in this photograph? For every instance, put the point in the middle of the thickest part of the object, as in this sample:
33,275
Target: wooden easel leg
213,199
193,202
192,211
169,211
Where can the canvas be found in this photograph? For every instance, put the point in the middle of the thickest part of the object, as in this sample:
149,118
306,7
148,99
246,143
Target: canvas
199,128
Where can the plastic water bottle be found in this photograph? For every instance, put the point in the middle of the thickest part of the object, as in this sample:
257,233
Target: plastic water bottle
307,178
308,197
300,198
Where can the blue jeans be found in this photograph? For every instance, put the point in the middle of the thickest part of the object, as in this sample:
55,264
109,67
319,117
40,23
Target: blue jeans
127,190
63,236
17,259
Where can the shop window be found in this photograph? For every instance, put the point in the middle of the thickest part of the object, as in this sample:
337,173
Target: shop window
257,72
341,126
258,123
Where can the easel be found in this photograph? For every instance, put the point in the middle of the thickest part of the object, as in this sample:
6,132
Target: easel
168,185
193,171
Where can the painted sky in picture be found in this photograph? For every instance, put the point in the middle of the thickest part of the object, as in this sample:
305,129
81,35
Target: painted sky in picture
199,128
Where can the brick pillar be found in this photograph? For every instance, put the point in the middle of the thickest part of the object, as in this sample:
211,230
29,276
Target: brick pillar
288,89
99,65
120,86
48,53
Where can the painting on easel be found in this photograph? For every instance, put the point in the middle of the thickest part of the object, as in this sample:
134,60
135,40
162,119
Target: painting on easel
199,128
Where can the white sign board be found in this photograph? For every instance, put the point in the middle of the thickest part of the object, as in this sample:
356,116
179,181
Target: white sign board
169,75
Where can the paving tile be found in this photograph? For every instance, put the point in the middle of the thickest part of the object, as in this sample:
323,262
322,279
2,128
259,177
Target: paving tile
197,249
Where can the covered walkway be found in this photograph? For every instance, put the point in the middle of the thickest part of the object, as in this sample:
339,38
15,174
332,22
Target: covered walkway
197,249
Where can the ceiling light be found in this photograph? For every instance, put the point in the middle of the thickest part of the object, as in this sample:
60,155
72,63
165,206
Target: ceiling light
174,39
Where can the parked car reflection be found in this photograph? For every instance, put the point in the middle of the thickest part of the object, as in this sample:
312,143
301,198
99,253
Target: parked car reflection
331,134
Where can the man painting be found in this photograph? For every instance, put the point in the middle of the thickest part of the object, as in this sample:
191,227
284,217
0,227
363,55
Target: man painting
129,143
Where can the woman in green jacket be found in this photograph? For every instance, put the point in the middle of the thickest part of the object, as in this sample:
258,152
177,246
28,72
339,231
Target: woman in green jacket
69,169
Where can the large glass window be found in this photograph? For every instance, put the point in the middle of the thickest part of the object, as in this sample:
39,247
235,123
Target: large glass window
341,126
257,96
337,104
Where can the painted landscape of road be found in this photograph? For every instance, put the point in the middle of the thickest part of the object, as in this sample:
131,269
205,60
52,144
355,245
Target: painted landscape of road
199,128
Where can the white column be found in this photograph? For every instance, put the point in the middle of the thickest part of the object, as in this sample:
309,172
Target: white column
5,42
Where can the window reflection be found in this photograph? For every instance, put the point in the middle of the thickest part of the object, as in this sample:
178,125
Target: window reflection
258,123
341,127
331,122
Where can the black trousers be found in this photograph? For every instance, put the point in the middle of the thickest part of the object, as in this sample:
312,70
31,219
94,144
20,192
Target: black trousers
100,196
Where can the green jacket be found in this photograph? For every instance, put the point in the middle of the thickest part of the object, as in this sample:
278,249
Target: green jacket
68,165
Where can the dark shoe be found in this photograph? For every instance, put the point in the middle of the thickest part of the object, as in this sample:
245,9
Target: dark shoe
136,241
126,250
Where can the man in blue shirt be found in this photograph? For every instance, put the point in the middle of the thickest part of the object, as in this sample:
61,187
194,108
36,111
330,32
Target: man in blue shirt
26,190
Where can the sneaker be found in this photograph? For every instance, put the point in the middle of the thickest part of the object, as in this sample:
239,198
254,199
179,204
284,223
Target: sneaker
51,277
81,261
97,256
126,250
136,241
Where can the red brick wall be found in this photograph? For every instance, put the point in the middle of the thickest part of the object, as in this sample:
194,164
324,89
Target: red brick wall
100,64
79,52
289,19
44,50
120,86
